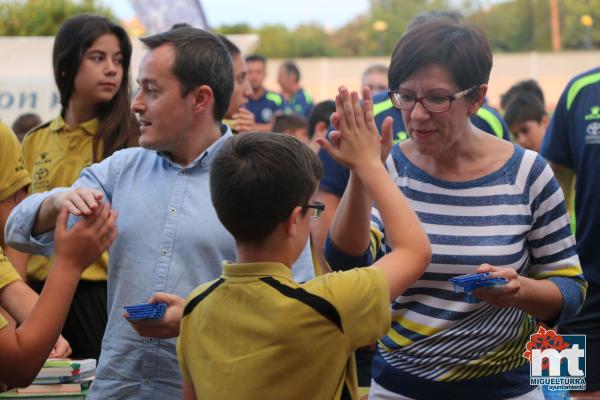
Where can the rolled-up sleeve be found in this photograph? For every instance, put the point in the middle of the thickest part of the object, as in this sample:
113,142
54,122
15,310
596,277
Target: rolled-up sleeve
19,226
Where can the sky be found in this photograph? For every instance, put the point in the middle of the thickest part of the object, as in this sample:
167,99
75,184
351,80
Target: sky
331,14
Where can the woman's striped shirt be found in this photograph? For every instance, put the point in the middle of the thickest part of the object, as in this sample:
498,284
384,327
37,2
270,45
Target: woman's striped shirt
514,218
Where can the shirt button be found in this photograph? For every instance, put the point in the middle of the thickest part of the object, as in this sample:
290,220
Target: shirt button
163,252
151,340
147,381
182,172
204,163
173,211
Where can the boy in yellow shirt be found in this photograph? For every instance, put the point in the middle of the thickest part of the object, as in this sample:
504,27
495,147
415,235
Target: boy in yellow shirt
254,332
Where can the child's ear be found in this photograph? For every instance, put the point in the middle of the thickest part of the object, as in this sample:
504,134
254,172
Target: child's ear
544,122
293,221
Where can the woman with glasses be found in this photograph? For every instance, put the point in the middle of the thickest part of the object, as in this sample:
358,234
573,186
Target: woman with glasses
487,206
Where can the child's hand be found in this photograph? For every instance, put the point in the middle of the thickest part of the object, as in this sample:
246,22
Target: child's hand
80,201
87,239
61,349
356,141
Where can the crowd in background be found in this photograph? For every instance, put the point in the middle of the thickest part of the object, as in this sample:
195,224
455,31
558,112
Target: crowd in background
483,190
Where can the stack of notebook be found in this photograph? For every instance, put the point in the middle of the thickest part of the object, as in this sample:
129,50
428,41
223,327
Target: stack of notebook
58,379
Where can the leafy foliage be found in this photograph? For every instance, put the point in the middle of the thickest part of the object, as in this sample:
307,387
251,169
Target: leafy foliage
43,17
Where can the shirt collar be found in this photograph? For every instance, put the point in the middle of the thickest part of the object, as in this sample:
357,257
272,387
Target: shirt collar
207,155
91,126
238,271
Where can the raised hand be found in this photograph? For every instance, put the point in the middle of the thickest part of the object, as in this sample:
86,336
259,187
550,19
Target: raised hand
356,141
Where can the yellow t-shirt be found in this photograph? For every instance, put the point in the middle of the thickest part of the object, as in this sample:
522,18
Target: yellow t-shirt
55,154
3,322
13,175
255,333
7,272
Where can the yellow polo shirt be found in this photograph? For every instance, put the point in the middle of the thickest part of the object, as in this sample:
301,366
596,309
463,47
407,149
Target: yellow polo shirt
256,334
13,175
55,154
7,272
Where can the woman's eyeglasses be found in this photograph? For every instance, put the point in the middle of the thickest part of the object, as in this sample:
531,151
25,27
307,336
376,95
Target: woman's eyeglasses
432,103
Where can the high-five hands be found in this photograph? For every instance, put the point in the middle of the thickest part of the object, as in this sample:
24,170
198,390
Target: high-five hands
355,139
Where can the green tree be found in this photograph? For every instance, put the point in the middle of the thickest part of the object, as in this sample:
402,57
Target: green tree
574,34
396,14
43,17
240,28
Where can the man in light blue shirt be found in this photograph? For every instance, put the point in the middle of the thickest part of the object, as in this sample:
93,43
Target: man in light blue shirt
170,239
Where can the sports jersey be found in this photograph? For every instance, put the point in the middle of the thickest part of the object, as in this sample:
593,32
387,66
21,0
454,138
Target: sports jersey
8,274
300,103
265,107
55,154
13,175
573,140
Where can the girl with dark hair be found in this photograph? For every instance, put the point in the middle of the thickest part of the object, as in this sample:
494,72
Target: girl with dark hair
91,59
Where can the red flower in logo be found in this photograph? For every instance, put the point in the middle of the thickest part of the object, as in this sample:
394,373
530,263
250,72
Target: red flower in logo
542,340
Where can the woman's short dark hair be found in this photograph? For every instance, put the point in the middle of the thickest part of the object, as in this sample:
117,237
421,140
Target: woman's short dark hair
117,127
201,58
257,179
463,49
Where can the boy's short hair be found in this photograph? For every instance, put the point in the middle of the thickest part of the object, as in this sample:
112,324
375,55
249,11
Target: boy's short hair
527,86
257,179
320,113
291,122
524,107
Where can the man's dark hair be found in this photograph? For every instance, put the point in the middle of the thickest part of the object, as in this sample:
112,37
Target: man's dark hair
201,58
181,25
257,179
291,68
231,47
256,57
524,107
462,49
291,122
527,86
320,113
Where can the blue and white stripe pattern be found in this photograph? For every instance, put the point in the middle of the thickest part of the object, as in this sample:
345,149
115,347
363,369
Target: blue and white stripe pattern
512,218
